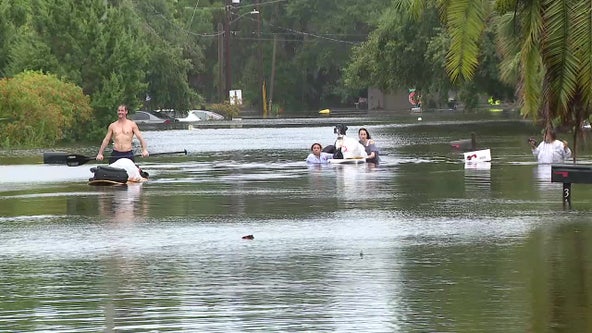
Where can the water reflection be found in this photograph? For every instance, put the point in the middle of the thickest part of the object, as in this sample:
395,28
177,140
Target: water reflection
562,267
548,190
542,174
354,185
122,204
478,180
321,179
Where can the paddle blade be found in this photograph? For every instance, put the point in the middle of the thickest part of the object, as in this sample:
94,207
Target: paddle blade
54,158
76,160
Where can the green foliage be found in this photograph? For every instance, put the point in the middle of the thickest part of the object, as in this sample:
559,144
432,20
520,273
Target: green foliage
466,23
175,53
118,53
226,109
546,44
13,15
468,93
438,85
41,110
106,101
121,51
97,46
402,53
411,48
311,49
168,84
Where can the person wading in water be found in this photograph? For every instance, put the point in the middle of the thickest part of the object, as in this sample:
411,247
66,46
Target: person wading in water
122,132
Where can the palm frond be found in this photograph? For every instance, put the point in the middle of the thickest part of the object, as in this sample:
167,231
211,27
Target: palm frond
559,57
530,86
508,47
505,6
581,39
532,25
528,24
466,21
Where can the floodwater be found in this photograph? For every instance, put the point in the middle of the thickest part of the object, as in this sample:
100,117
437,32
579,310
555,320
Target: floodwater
419,243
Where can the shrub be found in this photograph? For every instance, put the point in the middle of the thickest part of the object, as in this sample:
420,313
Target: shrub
40,110
226,109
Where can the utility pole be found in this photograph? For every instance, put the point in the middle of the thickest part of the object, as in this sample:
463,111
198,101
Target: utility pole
227,64
260,56
221,81
270,105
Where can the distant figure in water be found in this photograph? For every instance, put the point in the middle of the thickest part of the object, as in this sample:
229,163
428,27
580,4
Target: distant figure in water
369,146
550,150
465,145
317,156
249,237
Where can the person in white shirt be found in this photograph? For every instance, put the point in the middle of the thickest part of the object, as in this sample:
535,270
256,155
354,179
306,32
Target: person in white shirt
550,150
317,156
134,173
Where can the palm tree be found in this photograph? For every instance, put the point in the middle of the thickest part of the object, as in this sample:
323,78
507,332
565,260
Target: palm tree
546,44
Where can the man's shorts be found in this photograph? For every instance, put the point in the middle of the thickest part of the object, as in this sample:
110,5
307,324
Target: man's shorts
115,155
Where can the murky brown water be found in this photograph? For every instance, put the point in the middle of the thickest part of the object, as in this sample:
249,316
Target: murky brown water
417,244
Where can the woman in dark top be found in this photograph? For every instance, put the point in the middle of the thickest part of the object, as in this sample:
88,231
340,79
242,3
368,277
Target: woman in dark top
368,143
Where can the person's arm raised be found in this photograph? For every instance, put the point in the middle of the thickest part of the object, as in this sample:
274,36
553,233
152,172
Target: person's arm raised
566,150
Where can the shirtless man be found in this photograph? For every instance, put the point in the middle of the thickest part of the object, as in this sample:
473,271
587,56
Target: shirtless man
122,132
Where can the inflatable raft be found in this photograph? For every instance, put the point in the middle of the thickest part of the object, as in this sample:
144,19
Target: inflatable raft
106,175
114,175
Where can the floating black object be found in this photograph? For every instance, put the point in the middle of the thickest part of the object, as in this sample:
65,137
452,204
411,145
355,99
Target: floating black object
109,173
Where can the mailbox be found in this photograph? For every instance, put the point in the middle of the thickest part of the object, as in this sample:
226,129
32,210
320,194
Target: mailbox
571,173
568,174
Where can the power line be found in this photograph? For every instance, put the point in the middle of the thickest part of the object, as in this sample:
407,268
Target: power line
315,35
329,36
193,14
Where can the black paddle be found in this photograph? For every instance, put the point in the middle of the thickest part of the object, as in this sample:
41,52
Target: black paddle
76,159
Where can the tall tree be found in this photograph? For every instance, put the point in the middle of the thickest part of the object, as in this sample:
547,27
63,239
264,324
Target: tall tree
14,15
172,32
399,53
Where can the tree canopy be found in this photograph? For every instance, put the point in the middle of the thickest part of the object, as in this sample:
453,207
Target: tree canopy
153,54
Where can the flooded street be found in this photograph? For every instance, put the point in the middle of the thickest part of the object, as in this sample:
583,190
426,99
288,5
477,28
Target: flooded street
418,243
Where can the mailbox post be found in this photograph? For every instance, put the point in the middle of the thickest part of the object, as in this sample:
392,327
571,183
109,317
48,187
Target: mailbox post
568,174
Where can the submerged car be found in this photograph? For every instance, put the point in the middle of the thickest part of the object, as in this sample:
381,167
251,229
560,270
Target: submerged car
200,115
151,120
